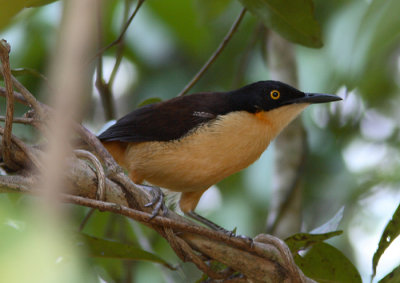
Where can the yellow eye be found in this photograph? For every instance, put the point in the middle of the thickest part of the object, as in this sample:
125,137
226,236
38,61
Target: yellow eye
275,94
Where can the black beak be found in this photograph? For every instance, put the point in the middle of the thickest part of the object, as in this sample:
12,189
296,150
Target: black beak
316,98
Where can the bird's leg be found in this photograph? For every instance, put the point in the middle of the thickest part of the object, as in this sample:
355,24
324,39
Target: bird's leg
208,223
216,227
157,202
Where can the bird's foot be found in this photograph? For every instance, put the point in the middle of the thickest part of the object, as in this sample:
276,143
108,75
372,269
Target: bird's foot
157,202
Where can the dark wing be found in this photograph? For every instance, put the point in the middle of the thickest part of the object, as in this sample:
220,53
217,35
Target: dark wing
169,120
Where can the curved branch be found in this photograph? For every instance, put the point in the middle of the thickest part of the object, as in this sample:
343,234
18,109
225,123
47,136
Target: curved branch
6,71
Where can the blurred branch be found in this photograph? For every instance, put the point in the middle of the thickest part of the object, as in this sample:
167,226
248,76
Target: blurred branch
285,214
217,52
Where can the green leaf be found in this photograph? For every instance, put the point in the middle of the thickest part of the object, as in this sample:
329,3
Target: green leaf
211,9
376,43
325,263
148,101
293,19
37,3
110,249
182,21
8,9
392,277
392,230
301,241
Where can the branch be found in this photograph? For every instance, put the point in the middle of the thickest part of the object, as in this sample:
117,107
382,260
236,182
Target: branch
6,71
260,261
212,59
102,86
266,259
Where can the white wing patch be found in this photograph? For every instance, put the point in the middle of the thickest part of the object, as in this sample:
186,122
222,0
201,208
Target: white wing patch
203,114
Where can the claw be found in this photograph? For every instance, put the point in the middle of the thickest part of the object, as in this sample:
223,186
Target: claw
157,201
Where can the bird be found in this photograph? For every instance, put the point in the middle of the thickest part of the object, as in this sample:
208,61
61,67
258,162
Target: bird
189,143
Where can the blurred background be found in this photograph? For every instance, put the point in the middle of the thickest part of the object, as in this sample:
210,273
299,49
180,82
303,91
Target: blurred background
353,147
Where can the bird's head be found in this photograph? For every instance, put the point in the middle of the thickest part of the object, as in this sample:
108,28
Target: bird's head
270,95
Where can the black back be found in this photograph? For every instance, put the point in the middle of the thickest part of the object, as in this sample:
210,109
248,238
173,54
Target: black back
169,120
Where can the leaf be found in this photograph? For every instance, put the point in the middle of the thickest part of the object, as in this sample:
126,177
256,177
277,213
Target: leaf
148,101
392,277
211,9
301,241
110,249
376,43
8,9
325,263
392,230
331,225
182,21
293,19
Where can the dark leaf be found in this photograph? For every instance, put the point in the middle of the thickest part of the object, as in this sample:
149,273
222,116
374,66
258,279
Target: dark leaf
293,19
110,249
325,263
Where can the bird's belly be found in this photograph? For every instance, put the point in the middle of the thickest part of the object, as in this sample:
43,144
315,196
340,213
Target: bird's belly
202,158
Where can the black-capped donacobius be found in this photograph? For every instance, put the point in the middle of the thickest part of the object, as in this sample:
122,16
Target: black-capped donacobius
187,144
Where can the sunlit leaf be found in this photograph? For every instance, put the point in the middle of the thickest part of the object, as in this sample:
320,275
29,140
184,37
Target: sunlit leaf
392,230
325,263
150,101
293,19
392,277
8,9
331,225
36,3
302,241
109,249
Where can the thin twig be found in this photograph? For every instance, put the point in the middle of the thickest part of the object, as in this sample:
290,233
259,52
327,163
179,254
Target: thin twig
212,59
121,36
19,120
18,96
101,85
86,219
29,97
6,71
120,49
